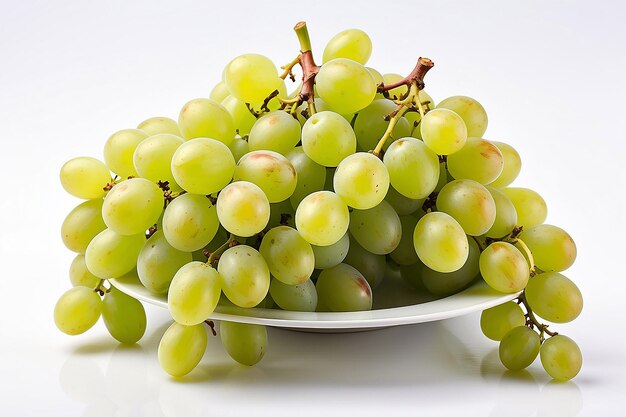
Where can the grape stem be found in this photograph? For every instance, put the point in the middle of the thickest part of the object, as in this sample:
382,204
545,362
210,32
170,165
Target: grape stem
215,255
529,254
211,325
101,289
531,319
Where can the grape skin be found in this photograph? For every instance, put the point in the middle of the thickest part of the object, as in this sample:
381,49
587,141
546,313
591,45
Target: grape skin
322,218
77,310
124,316
561,357
245,343
554,297
519,348
181,348
85,177
440,242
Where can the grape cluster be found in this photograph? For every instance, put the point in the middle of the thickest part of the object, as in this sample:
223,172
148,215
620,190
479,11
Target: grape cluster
305,202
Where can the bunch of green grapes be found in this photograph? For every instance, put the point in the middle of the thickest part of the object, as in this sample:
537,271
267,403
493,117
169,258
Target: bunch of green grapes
308,202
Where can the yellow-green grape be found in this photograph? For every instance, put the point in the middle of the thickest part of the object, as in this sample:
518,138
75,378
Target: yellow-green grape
353,44
80,275
345,85
413,168
470,203
378,77
440,242
327,138
552,247
281,214
239,147
411,275
153,158
370,265
531,208
124,316
479,160
193,293
181,348
506,215
119,150
289,257
243,208
377,229
245,343
496,322
245,276
554,297
219,92
404,253
204,118
343,288
401,204
77,310
85,177
361,180
504,267
132,206
251,78
111,255
269,170
276,131
561,357
243,119
399,91
447,283
329,256
158,261
372,121
82,224
443,131
322,218
203,166
159,125
512,165
300,297
470,110
519,348
190,222
311,175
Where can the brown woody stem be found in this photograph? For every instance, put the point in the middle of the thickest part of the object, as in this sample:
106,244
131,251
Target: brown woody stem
416,76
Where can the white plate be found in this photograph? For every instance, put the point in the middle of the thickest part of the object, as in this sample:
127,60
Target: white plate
475,298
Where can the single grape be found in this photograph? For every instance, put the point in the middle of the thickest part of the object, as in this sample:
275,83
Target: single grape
345,85
440,242
251,77
552,247
329,256
85,177
82,224
530,207
243,208
404,253
276,131
470,204
413,168
204,118
243,119
512,165
404,206
447,283
519,348
153,158
80,275
190,222
561,357
353,44
443,131
119,150
132,206
377,229
289,257
554,297
506,216
239,147
219,92
111,255
311,175
328,138
479,160
271,171
370,265
504,267
300,297
495,322
159,125
343,288
378,77
193,293
123,316
245,343
77,310
181,348
322,218
470,110
361,180
245,275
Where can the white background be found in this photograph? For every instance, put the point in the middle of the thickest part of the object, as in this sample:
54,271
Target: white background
551,76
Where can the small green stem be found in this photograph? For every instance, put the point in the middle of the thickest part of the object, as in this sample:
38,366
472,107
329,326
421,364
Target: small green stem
403,107
529,254
287,68
303,36
218,252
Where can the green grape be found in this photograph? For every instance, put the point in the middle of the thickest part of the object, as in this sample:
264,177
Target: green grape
413,168
361,180
554,297
444,177
239,147
158,261
404,253
496,322
371,266
352,44
401,204
132,206
245,343
371,124
343,288
269,170
181,348
530,207
289,257
190,222
300,297
552,247
119,150
519,348
77,310
203,166
80,275
329,256
327,138
377,229
85,177
440,242
561,357
345,85
193,293
504,267
123,316
330,176
281,214
412,275
506,216
322,218
311,175
243,208
245,275
82,224
470,110
153,158
204,118
159,125
378,77
243,119
276,131
443,131
251,78
219,92
470,204
111,255
479,160
512,165
446,283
